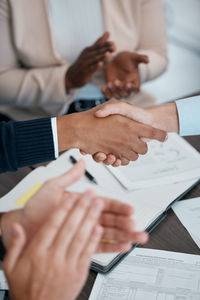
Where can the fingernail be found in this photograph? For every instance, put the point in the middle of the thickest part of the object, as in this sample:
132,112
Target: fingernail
100,157
110,161
166,138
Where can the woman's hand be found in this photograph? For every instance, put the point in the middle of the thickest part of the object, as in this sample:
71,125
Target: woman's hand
54,264
122,74
90,60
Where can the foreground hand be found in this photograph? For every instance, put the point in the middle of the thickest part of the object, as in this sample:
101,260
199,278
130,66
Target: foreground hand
115,217
149,117
54,264
90,60
122,74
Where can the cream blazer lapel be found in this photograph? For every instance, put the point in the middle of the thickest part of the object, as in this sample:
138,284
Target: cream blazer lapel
32,33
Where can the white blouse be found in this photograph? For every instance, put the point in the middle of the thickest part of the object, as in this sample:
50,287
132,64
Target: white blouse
75,25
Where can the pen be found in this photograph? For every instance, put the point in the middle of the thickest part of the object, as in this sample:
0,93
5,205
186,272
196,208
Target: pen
87,174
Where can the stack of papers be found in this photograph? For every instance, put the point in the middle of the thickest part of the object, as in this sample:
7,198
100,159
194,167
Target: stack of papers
188,212
151,275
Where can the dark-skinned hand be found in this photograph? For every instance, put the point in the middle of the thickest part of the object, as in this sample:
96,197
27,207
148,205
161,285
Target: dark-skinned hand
122,74
90,60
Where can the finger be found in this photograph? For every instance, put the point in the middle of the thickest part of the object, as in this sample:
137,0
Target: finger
91,247
123,236
106,91
71,226
67,179
117,163
95,59
95,68
130,154
125,161
125,109
46,235
117,221
116,90
129,88
99,49
99,157
83,152
136,85
110,159
139,58
152,133
113,247
117,207
102,48
140,147
90,220
15,250
103,38
119,88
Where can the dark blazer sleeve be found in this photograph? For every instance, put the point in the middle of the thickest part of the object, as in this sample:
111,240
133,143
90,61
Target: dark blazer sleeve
25,143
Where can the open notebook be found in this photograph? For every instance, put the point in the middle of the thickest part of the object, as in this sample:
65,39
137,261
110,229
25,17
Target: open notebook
151,204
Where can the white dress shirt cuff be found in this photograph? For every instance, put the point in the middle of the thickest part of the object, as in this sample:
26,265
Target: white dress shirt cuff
189,116
55,135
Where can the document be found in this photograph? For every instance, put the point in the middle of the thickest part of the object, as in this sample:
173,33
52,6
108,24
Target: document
151,275
148,203
165,163
188,212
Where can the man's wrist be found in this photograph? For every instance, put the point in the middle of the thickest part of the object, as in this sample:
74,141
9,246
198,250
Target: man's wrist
67,132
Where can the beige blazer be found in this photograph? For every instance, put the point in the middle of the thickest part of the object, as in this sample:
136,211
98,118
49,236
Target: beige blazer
32,73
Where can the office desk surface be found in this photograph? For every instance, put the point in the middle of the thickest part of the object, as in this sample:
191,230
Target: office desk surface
170,235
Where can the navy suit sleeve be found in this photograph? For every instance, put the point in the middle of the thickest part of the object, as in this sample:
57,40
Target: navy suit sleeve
25,143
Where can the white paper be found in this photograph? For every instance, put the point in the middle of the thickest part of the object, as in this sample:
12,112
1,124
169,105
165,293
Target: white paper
165,163
148,203
151,275
188,212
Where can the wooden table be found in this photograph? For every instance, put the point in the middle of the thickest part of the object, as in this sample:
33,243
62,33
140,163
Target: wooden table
170,235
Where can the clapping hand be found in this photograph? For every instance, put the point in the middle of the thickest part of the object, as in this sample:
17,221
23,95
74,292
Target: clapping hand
115,217
90,60
122,74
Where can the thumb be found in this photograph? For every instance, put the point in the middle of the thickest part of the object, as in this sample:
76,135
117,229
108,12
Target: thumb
103,38
139,58
15,250
127,110
71,176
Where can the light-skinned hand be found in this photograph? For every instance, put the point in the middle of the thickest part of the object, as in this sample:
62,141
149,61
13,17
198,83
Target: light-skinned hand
54,264
116,217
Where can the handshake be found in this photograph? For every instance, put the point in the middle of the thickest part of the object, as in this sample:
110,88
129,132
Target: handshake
116,133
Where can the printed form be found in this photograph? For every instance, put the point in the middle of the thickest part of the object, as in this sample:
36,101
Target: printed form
153,275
